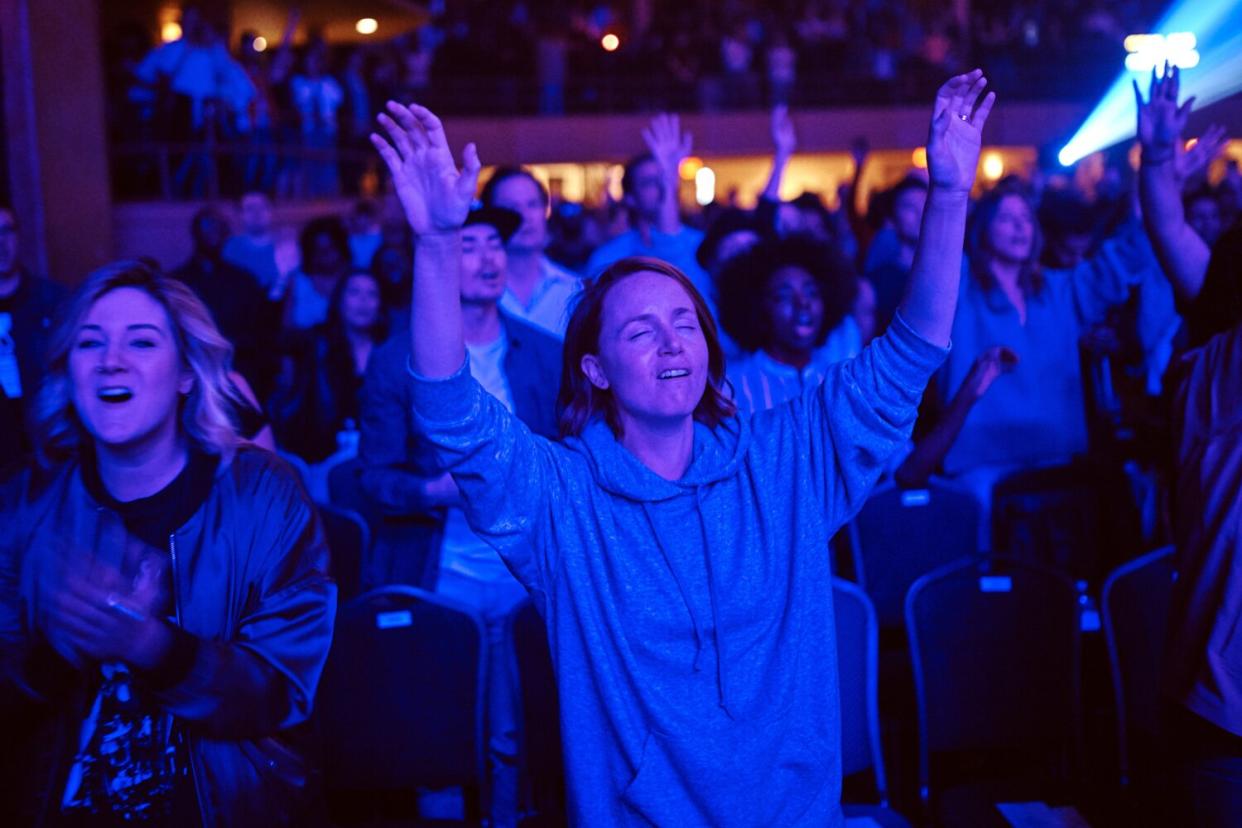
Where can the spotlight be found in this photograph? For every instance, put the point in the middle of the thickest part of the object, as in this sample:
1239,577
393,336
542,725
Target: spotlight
1202,36
610,42
260,44
918,158
170,31
689,167
367,26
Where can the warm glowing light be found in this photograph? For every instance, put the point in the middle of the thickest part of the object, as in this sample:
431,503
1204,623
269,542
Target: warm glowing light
260,44
615,173
993,166
610,42
1150,51
1191,144
705,186
689,167
919,158
367,26
170,31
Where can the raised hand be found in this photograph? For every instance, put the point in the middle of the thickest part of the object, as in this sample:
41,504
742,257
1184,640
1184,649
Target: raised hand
956,131
1189,163
436,196
667,143
987,368
1160,120
784,138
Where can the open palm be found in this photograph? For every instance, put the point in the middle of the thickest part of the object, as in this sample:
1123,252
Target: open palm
1160,120
668,145
956,131
436,196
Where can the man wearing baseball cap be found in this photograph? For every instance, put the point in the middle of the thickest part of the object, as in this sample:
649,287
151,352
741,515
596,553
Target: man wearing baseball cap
421,535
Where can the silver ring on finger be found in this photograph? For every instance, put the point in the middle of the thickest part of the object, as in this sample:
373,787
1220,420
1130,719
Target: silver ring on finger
965,118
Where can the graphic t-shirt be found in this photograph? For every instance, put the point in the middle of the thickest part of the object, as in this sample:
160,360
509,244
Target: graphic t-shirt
131,766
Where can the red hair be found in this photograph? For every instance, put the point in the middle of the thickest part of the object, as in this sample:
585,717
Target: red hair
579,401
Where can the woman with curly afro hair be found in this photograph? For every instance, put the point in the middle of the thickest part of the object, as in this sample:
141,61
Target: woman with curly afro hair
787,304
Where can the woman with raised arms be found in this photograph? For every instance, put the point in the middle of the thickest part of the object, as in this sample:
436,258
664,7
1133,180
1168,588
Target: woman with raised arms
678,553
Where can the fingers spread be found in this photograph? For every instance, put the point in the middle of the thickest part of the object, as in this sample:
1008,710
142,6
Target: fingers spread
468,181
401,138
431,125
985,109
391,159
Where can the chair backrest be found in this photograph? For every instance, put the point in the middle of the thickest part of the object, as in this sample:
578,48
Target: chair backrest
1135,604
901,534
995,649
1053,516
543,762
858,667
349,541
401,700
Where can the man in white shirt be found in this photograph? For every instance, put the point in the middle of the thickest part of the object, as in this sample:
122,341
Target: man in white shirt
517,363
540,291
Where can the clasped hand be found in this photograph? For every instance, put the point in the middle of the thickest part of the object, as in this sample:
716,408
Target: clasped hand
105,617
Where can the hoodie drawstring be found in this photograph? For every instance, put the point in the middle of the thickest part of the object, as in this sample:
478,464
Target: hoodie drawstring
722,675
681,588
722,662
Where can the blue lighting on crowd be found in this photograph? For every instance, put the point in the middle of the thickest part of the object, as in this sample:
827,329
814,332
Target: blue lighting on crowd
1216,26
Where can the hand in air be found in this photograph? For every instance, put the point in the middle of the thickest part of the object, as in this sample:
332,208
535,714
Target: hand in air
784,138
1160,120
436,196
987,368
955,138
667,143
1189,163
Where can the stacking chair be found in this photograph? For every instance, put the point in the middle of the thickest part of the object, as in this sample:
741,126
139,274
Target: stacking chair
543,768
901,534
349,541
1135,607
995,649
858,653
400,706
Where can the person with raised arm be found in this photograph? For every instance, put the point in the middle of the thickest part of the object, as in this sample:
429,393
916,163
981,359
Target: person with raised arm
650,184
1203,655
677,551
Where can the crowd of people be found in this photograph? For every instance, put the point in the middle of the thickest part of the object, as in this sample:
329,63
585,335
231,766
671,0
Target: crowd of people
293,120
647,436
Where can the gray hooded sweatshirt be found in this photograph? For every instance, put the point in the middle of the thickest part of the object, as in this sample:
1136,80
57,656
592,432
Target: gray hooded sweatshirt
690,621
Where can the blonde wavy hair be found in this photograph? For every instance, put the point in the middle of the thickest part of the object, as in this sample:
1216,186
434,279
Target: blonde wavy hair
207,412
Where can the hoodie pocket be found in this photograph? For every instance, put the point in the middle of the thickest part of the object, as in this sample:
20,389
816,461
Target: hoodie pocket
746,773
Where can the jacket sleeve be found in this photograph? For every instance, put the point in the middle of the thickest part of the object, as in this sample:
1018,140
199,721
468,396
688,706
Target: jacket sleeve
1123,262
388,478
865,411
29,665
507,475
263,679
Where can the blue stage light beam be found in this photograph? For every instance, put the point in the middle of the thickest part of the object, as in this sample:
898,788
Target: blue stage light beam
1217,26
